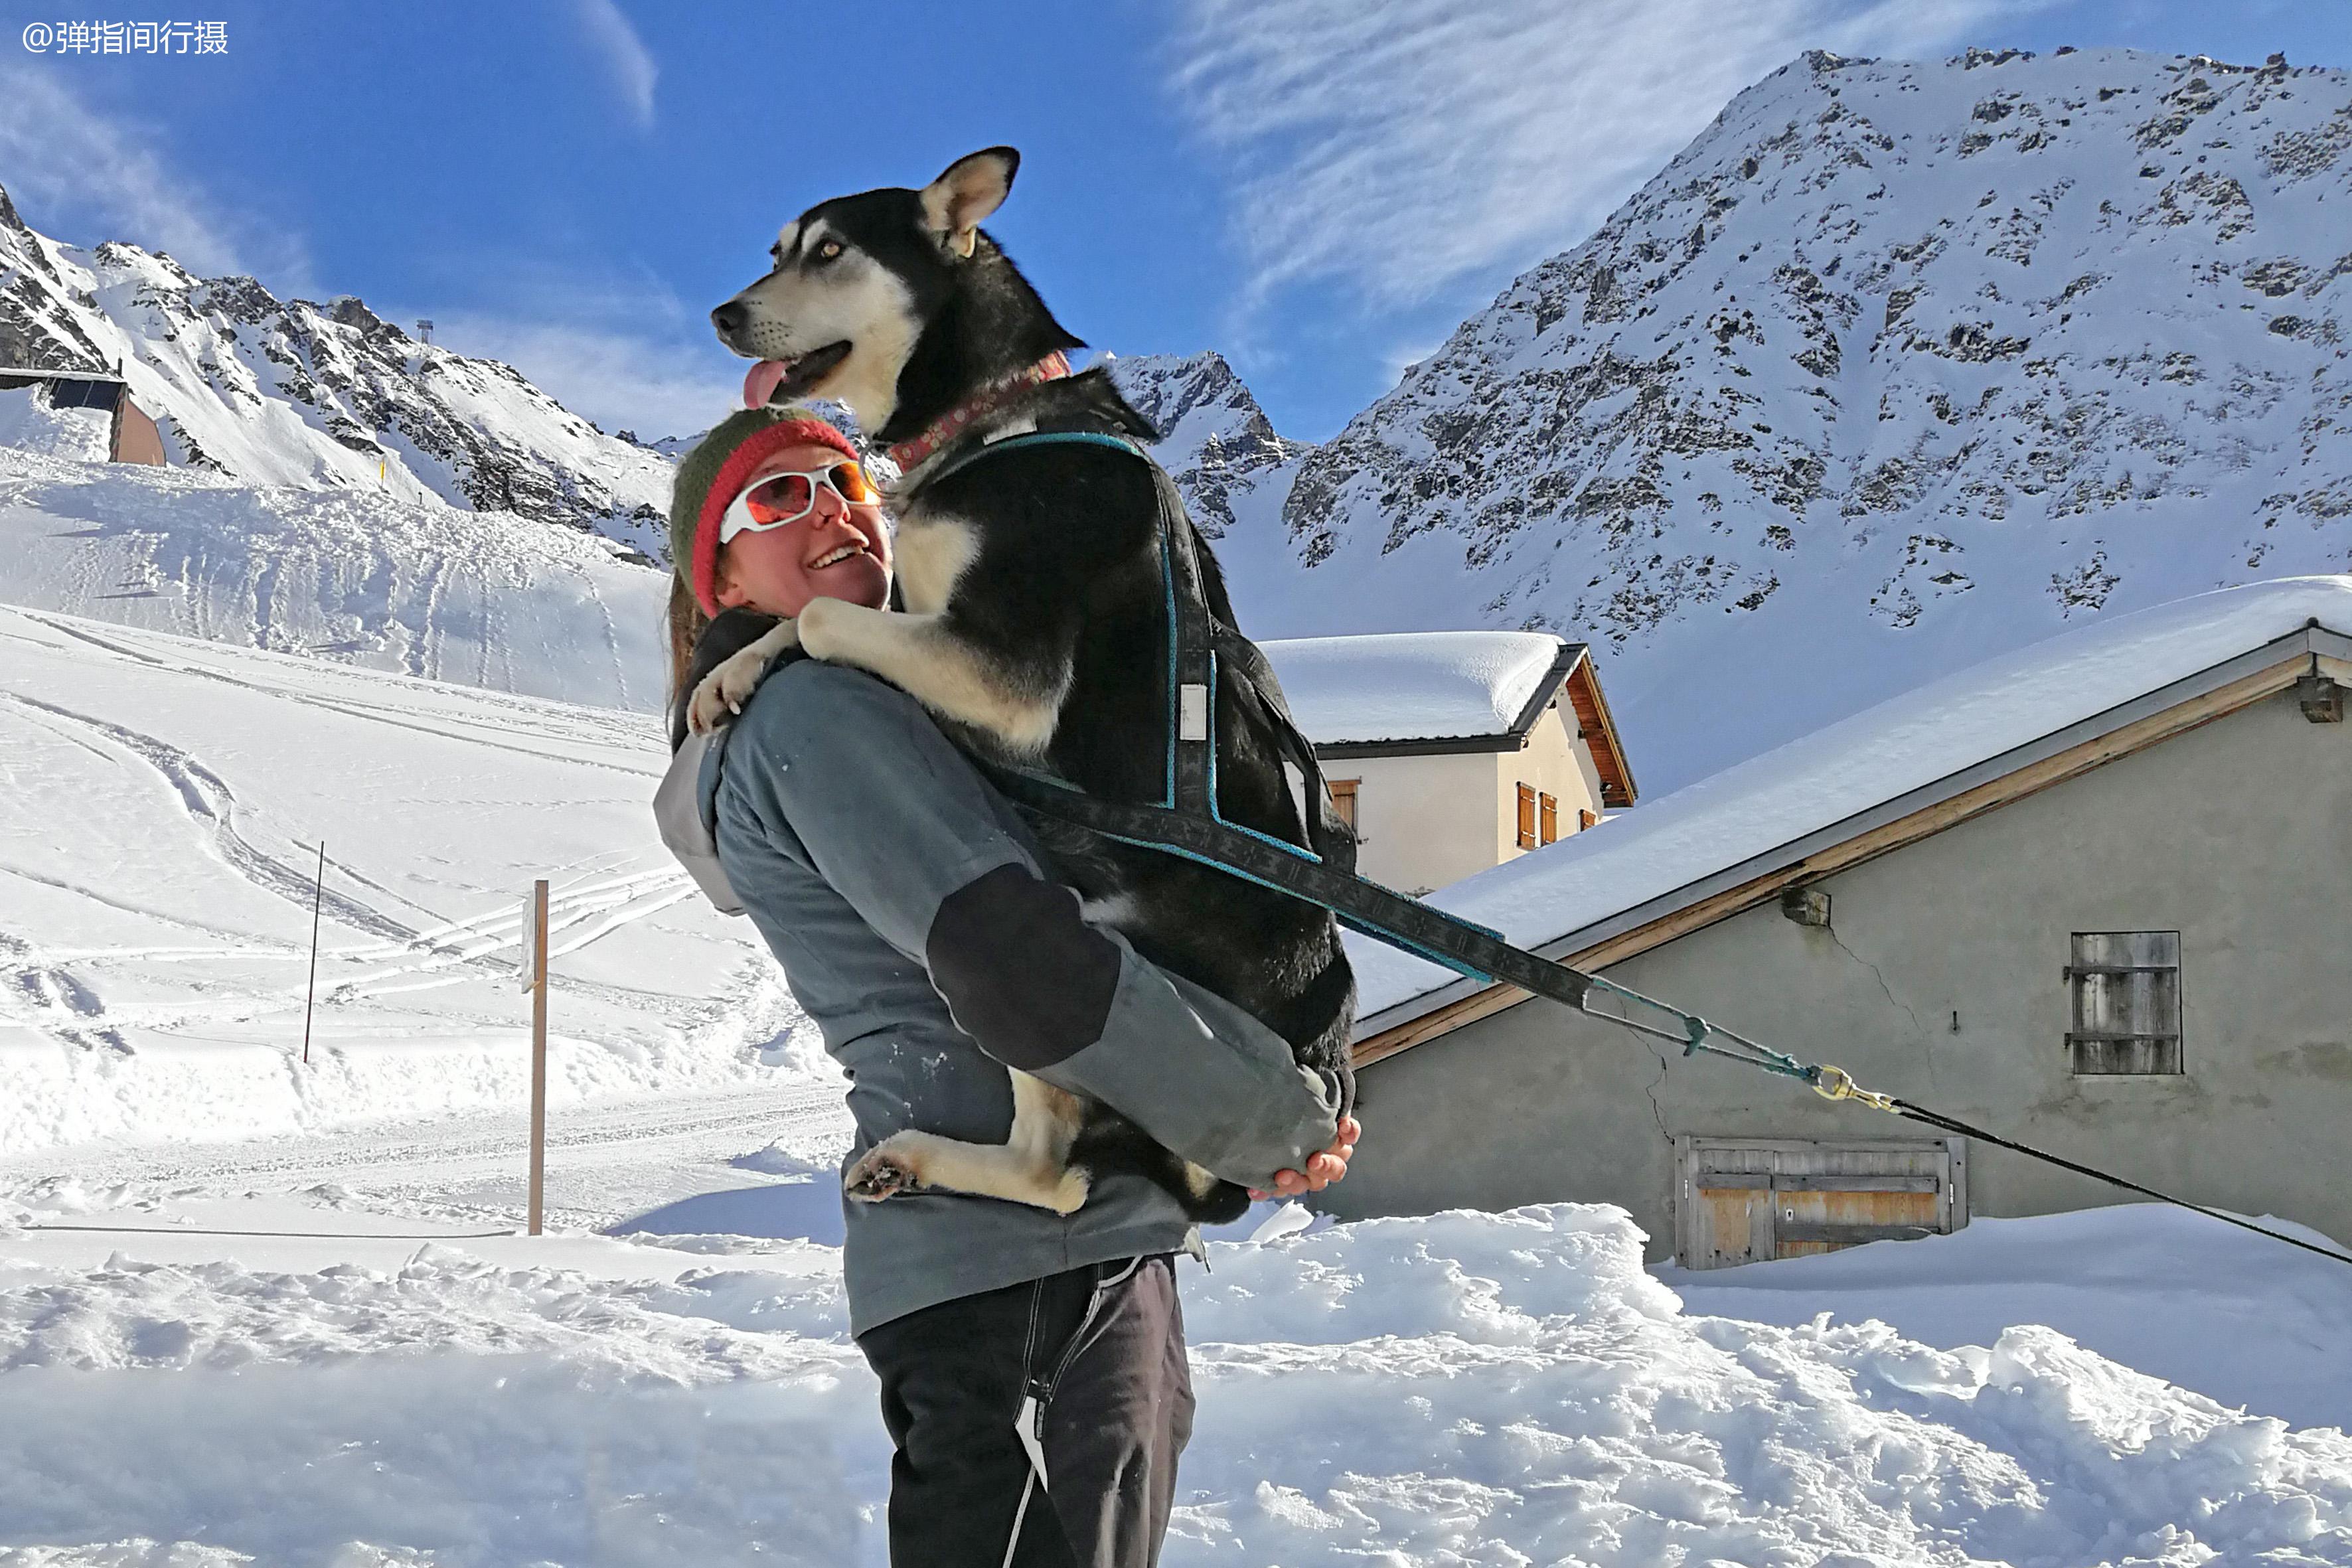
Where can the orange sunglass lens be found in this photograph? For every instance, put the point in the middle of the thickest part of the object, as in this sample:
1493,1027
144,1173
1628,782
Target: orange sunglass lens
785,496
850,478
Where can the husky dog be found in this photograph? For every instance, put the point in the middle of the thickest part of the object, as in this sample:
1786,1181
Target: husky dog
1035,627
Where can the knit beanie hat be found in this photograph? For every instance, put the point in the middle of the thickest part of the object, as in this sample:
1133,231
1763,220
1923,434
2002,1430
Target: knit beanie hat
713,475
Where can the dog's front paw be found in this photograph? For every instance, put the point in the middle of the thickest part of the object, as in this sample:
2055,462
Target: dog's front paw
884,1173
725,690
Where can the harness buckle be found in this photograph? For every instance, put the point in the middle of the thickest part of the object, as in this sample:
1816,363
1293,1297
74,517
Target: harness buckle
1836,1083
1192,713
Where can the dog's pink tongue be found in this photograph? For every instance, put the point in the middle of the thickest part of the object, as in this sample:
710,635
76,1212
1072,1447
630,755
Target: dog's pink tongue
760,383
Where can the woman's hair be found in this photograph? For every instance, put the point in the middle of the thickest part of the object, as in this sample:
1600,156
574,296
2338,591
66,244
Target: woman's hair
687,622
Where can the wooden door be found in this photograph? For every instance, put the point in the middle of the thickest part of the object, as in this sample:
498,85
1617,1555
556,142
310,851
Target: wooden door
1746,1200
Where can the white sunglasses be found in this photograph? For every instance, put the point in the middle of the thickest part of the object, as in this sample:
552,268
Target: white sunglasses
778,501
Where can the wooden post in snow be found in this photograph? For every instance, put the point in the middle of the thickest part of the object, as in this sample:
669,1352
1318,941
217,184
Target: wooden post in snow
535,948
311,991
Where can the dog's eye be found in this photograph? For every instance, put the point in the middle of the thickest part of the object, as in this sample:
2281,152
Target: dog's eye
829,250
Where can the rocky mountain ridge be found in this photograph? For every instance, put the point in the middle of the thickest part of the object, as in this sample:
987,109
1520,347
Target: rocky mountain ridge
1217,442
321,396
1895,366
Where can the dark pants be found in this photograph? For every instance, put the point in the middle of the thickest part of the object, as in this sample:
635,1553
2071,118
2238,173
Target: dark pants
1101,1349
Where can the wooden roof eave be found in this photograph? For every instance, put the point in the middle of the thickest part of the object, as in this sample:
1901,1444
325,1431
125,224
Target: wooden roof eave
1600,730
2065,753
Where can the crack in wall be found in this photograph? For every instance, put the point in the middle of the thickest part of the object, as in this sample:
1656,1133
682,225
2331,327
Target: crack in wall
1927,1037
1657,1112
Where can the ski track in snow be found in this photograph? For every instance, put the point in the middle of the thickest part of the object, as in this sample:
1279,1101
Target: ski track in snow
161,878
409,1167
624,727
62,1005
414,961
211,804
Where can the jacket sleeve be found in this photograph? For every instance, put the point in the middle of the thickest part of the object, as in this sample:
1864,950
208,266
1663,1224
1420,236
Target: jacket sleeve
902,826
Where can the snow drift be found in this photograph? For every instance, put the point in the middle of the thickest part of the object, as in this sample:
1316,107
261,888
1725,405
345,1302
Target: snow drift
1463,1389
487,599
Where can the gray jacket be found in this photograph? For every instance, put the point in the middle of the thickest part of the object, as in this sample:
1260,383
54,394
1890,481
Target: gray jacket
894,886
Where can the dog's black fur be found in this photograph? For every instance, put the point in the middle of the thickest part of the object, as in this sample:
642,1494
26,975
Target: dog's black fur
1064,594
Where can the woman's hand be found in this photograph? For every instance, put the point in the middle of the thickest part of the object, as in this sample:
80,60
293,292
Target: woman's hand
1322,1169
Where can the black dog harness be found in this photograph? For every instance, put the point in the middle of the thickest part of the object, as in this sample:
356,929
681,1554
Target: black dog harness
1185,820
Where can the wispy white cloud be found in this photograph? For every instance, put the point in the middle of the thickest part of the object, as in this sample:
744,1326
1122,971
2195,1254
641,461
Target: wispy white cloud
1397,150
621,349
80,173
623,381
632,66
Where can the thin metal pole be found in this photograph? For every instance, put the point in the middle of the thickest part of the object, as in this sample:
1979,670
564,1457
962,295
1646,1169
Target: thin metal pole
310,993
538,1055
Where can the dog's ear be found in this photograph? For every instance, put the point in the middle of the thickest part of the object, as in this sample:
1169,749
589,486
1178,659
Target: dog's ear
973,188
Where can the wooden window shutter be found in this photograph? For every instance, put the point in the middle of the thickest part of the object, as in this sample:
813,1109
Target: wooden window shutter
1549,812
2126,989
1585,818
1343,801
1526,817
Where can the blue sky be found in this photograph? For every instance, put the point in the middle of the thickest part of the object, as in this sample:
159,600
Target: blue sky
1320,188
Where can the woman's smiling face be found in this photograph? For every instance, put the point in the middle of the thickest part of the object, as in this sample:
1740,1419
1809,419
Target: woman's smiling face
839,550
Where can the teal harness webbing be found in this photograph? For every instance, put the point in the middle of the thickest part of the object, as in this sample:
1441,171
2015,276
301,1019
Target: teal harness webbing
1185,822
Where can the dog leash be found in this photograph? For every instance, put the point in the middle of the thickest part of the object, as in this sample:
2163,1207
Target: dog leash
1185,822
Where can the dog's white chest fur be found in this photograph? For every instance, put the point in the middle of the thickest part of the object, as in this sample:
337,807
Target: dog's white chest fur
931,553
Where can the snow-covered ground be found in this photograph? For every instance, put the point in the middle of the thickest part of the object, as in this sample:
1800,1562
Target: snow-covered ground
162,805
1467,1388
2168,1292
255,1310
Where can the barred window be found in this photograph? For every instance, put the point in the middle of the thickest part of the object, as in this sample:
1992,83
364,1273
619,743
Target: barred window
2126,1003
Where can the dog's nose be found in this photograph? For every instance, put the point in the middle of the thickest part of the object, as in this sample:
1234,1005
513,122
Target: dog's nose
728,318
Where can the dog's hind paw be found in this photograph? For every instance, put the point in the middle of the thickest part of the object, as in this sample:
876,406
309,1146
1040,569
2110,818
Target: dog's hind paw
883,1173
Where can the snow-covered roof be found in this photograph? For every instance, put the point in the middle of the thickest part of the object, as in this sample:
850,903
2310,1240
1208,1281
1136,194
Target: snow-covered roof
1642,866
1417,686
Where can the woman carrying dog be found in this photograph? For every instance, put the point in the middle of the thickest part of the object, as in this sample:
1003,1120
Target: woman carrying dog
1032,1364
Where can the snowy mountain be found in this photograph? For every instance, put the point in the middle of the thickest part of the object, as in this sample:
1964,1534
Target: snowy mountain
1895,366
1235,473
327,398
1217,442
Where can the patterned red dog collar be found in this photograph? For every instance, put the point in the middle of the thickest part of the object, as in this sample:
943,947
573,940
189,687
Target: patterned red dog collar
951,424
